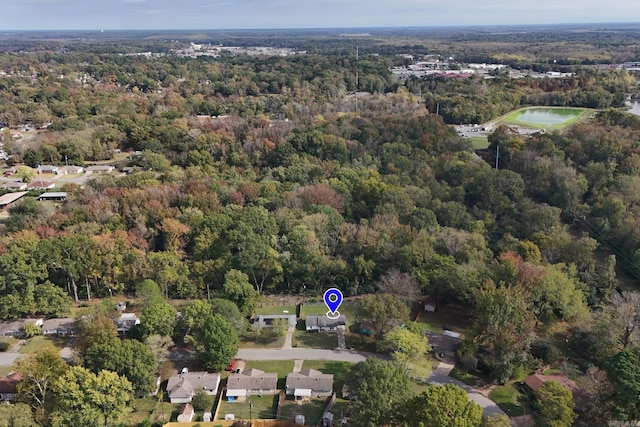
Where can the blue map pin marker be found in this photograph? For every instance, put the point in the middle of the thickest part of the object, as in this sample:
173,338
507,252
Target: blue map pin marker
333,299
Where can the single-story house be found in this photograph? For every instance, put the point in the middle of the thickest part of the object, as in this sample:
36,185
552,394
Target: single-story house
309,382
15,185
8,386
186,413
9,198
15,328
126,321
535,381
55,196
443,345
49,169
252,381
60,327
182,387
270,319
100,169
325,324
72,169
41,185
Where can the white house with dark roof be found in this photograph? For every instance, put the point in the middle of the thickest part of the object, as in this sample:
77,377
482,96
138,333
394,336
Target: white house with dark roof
324,324
60,327
309,382
182,387
126,322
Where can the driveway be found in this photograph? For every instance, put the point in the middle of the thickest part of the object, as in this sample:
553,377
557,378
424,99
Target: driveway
489,407
8,358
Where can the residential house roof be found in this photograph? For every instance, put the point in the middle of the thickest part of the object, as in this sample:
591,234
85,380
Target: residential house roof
536,381
310,379
442,342
185,385
14,185
9,383
65,323
267,319
42,184
252,379
126,321
325,322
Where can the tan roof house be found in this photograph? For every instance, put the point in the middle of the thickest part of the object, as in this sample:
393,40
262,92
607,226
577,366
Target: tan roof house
182,387
309,382
252,381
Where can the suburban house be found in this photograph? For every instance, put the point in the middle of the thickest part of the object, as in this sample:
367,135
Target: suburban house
252,381
15,185
48,169
100,169
182,387
443,345
126,322
309,382
15,328
270,319
41,185
72,169
8,387
186,413
324,324
60,327
535,381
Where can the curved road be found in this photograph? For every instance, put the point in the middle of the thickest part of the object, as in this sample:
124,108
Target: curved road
437,377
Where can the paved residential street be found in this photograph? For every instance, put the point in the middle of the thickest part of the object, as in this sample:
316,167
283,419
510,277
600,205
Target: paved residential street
438,376
302,353
9,358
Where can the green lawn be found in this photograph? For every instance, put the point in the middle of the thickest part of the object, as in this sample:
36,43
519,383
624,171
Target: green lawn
281,367
510,399
255,407
37,342
479,142
312,410
261,343
453,316
474,380
315,339
142,408
5,370
12,341
276,309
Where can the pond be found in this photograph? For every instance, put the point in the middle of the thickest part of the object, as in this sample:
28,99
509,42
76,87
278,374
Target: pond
547,116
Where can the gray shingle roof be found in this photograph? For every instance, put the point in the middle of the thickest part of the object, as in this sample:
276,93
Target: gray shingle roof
310,379
252,379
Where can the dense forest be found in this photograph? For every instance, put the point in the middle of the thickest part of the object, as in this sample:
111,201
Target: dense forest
301,173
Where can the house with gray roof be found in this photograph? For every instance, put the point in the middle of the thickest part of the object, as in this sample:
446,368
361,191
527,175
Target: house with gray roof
252,381
182,387
309,382
443,345
324,324
60,327
271,319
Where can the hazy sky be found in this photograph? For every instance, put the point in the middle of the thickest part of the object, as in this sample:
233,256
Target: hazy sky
231,14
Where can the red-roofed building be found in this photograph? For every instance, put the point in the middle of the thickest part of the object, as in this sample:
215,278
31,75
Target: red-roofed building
535,381
41,185
8,386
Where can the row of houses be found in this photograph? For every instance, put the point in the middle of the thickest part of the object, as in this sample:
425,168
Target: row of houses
61,326
304,384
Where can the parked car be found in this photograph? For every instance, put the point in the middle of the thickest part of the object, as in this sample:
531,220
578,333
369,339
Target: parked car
231,366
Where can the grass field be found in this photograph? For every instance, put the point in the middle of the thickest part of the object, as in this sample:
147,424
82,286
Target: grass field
479,142
312,410
255,407
37,342
281,367
510,400
572,116
276,309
